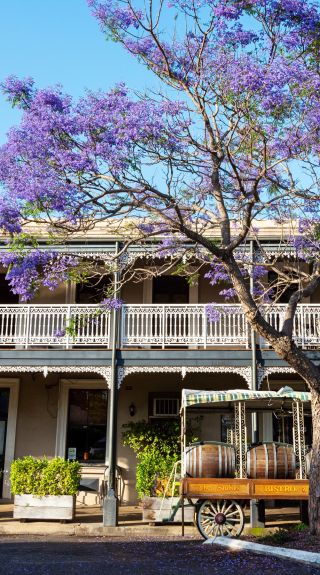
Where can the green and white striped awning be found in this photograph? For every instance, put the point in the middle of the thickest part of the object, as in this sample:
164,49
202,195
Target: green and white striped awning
195,397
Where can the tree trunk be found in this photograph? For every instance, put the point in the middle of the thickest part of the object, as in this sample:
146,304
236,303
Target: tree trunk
285,347
314,497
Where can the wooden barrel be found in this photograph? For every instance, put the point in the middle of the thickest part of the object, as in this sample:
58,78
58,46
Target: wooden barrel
210,459
271,461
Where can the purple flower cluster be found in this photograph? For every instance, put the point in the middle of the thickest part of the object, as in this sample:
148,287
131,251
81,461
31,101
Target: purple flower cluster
9,217
59,333
110,303
242,114
18,91
212,313
29,269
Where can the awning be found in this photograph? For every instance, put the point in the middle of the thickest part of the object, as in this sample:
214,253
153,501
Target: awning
195,397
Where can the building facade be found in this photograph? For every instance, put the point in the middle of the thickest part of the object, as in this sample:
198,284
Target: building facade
55,385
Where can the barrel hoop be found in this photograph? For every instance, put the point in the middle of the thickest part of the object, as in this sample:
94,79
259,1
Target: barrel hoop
293,455
266,469
275,459
219,461
233,460
286,467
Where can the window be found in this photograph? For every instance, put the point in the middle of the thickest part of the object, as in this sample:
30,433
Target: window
87,423
93,290
165,407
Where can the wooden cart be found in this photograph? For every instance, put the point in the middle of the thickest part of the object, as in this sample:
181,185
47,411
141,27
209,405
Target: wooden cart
219,502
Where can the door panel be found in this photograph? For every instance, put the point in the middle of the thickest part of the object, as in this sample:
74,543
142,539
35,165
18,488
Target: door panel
170,289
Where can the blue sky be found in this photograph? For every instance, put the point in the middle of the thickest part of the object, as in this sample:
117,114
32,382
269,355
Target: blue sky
58,41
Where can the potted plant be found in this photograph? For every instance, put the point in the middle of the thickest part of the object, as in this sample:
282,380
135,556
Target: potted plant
157,448
43,488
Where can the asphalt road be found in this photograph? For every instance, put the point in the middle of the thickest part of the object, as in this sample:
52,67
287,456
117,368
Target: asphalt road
118,556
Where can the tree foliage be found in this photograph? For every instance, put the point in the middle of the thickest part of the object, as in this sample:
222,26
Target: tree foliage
229,139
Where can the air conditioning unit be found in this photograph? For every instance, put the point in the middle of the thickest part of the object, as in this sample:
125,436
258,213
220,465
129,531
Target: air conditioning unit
166,407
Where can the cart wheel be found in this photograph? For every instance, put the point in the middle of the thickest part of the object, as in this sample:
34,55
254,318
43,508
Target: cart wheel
220,517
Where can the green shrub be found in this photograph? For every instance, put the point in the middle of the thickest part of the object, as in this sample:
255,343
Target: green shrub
157,447
153,471
300,527
42,476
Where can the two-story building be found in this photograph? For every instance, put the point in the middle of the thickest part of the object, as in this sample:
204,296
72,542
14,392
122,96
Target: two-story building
55,385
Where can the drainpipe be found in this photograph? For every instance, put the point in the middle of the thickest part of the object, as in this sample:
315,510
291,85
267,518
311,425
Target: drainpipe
254,386
110,502
257,508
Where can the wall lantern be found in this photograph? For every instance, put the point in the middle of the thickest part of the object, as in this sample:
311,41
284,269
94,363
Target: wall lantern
132,409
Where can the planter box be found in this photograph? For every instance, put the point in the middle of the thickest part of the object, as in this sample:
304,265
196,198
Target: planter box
59,507
155,510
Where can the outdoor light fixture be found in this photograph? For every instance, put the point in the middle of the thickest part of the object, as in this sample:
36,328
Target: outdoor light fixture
132,409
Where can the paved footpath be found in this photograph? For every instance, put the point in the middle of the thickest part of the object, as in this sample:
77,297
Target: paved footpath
141,556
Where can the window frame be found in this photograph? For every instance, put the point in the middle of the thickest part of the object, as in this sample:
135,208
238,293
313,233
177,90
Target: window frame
63,410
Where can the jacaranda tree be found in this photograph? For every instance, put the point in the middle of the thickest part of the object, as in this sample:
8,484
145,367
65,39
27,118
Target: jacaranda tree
227,136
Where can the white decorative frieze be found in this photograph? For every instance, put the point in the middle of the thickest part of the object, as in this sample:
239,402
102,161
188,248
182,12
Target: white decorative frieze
105,371
263,372
244,372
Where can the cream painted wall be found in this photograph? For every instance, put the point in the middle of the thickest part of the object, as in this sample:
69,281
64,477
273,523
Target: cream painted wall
59,295
132,292
141,292
37,415
36,427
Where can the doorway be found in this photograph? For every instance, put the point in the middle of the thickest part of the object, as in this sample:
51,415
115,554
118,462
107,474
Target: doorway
4,409
170,289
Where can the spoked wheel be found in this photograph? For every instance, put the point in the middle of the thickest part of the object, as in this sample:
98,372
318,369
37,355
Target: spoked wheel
220,517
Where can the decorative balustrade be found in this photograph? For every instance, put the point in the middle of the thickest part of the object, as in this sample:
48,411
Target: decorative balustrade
180,325
54,325
144,325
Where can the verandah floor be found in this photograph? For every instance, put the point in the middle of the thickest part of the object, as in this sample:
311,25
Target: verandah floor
132,515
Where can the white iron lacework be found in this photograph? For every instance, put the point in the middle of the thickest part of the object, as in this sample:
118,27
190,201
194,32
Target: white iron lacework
265,371
244,372
145,325
105,372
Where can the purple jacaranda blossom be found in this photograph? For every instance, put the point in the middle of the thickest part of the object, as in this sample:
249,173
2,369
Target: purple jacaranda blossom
109,303
59,333
9,217
29,269
159,156
213,314
18,91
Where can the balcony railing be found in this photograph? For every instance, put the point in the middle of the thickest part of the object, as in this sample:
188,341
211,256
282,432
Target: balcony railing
54,325
144,325
181,325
